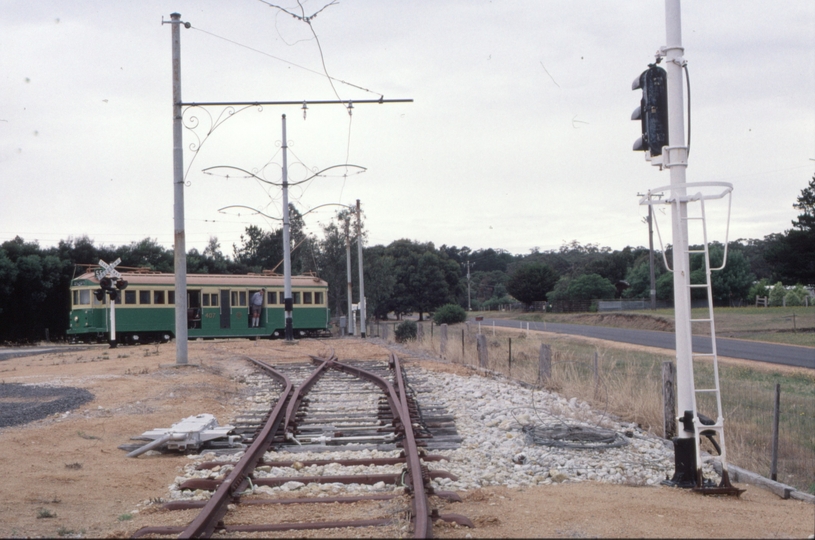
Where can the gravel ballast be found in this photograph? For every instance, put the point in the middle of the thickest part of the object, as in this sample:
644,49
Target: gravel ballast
24,403
497,419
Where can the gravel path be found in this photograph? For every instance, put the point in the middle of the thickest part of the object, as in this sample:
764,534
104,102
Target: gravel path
24,403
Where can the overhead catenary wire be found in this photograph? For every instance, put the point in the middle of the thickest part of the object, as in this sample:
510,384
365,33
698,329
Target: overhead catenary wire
264,53
307,20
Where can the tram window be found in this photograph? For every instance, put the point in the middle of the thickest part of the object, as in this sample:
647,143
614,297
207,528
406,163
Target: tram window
158,297
271,297
171,297
214,300
130,297
295,297
234,298
144,297
306,297
85,297
205,300
242,295
76,298
318,298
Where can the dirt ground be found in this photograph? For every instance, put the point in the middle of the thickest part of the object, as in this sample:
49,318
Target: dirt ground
64,475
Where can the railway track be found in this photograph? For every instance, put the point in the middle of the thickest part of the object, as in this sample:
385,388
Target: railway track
325,407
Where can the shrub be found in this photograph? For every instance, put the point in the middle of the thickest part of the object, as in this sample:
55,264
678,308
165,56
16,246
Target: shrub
759,288
795,296
405,331
777,294
449,314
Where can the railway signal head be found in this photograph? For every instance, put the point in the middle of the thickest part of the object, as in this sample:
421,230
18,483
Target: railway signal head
106,283
653,111
114,295
100,294
121,284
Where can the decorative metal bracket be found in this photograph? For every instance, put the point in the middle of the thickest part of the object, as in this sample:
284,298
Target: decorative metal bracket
202,130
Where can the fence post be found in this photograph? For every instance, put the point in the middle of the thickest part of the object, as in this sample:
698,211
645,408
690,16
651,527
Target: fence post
481,345
596,369
420,332
544,363
596,374
776,417
668,400
462,345
383,330
509,360
443,340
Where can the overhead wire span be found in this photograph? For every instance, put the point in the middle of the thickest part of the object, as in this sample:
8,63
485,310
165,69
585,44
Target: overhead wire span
349,107
264,53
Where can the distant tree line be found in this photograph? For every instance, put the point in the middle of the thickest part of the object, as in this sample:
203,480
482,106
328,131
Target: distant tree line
413,277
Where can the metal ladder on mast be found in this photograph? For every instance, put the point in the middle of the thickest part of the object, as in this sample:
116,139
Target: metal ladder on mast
699,423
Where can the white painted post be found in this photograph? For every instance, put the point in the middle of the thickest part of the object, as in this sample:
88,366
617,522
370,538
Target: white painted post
676,159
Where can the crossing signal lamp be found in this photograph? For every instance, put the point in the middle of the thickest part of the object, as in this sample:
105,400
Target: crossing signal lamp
652,112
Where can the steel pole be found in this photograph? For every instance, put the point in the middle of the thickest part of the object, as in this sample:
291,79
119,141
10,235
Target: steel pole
685,473
286,241
362,307
113,342
349,321
651,256
180,246
469,307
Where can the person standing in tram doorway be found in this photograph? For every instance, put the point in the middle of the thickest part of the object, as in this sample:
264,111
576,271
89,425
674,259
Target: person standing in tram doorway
256,304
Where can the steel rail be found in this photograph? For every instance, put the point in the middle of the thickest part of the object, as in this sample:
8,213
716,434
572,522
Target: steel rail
423,527
423,524
283,419
204,525
214,510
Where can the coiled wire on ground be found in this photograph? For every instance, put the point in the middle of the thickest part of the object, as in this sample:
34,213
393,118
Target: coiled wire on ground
563,434
578,437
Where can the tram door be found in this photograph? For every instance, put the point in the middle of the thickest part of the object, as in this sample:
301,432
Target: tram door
226,310
193,309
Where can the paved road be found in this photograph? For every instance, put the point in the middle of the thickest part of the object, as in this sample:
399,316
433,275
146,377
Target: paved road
790,355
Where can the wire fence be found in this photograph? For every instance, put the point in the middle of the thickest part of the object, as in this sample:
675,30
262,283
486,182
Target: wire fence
627,384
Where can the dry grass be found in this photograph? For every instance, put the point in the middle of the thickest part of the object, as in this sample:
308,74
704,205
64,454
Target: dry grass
628,385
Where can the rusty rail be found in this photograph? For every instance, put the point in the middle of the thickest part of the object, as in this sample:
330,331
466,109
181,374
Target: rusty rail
282,419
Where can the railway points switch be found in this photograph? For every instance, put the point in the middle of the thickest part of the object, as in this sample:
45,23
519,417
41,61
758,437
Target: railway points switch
189,433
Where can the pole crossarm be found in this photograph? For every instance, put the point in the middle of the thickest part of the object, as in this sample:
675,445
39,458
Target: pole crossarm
315,175
302,102
255,210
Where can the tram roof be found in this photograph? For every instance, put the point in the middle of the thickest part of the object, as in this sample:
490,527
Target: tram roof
213,280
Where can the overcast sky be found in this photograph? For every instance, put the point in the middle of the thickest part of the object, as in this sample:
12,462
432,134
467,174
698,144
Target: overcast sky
519,136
